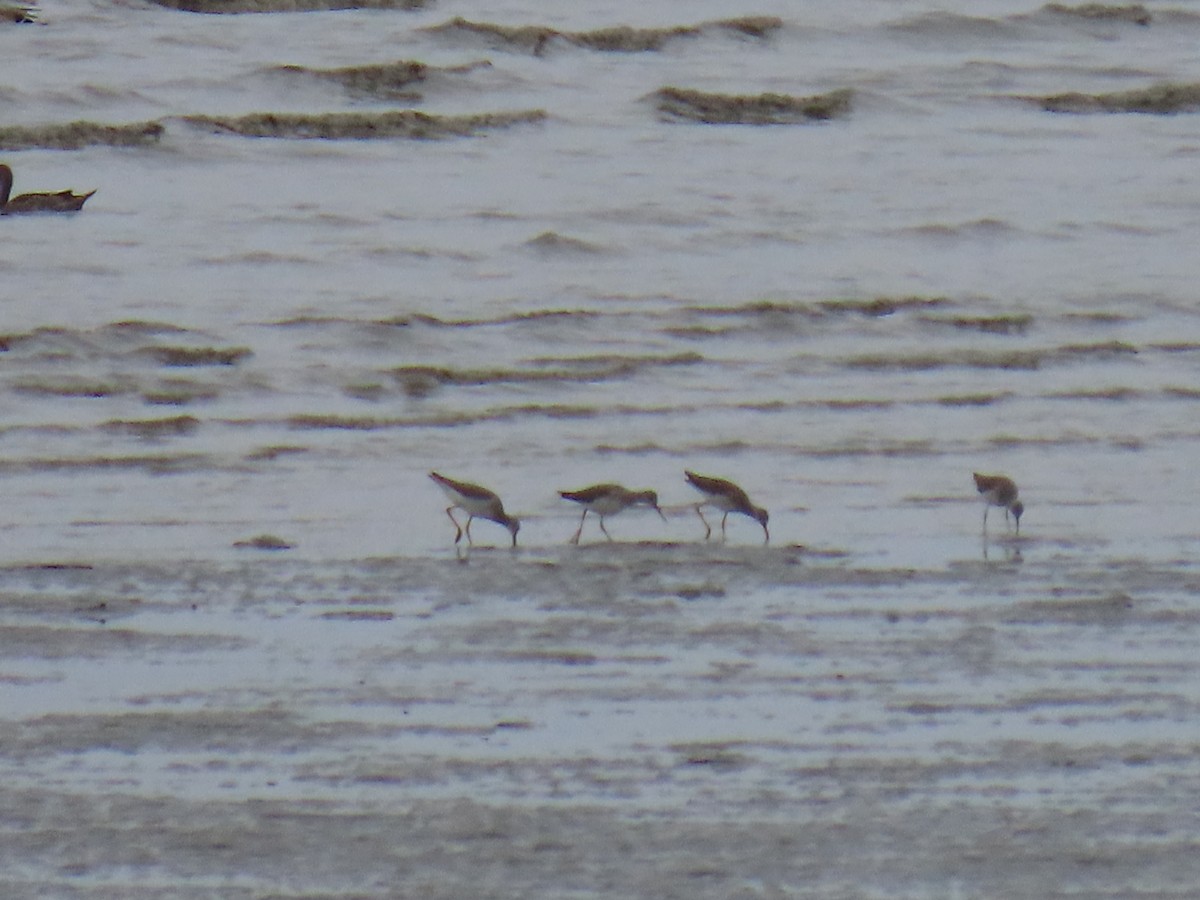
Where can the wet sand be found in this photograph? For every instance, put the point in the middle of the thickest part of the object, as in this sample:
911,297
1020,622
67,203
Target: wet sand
669,720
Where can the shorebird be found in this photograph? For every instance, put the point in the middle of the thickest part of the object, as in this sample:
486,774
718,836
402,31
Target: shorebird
62,201
478,503
728,497
608,500
999,490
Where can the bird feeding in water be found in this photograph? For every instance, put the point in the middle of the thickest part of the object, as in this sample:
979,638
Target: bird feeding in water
478,503
608,500
727,497
999,490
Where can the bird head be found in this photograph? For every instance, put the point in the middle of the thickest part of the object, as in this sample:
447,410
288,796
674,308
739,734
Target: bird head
650,498
761,516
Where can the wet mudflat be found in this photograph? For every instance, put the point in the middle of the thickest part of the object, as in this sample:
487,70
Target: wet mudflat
845,256
641,719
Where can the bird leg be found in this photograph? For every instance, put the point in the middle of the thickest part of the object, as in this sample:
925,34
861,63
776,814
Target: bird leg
723,519
605,530
457,528
707,527
579,530
467,530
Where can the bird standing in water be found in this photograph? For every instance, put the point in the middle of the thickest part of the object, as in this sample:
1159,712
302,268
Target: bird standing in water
608,500
727,497
999,490
478,503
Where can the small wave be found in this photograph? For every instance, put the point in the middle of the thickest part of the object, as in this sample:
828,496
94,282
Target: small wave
550,243
284,6
428,321
881,306
1112,393
259,258
1182,393
76,135
756,109
73,386
273,452
179,392
420,381
389,81
155,463
882,449
975,359
1133,13
152,428
1073,439
141,327
947,25
1166,98
980,359
986,227
619,39
198,356
1012,324
263,542
853,404
400,123
772,310
973,399
537,315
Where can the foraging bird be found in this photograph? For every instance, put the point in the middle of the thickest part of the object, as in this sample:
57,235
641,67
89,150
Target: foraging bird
608,500
478,503
728,497
62,201
999,490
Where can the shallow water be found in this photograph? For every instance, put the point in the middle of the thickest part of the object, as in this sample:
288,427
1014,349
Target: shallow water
277,339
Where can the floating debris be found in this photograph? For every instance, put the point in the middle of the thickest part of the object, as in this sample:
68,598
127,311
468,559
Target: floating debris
403,123
1160,99
619,39
283,6
392,81
1134,12
76,135
755,109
